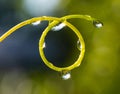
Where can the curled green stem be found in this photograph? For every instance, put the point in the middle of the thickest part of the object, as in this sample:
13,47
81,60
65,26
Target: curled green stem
54,22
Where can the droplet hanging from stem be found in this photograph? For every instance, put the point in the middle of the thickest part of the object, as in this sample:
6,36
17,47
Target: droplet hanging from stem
58,27
65,75
36,23
97,24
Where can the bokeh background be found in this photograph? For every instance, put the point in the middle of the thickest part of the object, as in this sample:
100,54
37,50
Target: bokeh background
21,68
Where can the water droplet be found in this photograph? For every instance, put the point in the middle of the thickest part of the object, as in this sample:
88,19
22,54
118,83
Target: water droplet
97,24
66,75
36,23
58,27
44,45
79,46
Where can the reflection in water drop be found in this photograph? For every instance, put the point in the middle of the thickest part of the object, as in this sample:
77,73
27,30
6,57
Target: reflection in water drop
97,24
36,23
58,27
66,75
79,46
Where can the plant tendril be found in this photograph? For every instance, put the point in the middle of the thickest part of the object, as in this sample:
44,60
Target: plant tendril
53,21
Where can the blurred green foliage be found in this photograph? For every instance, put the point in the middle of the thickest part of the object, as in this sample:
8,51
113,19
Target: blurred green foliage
99,71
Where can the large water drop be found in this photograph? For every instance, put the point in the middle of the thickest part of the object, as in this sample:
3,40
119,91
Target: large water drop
66,75
97,24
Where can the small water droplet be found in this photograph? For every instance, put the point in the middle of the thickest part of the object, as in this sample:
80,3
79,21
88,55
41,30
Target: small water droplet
79,46
58,27
44,45
97,24
66,75
36,23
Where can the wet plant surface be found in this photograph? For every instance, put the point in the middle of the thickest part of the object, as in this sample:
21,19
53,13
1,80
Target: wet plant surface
22,70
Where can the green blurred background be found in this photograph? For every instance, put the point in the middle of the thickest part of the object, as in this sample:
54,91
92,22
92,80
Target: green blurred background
21,68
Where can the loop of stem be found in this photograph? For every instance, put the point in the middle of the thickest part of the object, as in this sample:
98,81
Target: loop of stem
54,22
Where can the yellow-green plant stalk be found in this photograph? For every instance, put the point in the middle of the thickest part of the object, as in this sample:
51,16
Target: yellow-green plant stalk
53,25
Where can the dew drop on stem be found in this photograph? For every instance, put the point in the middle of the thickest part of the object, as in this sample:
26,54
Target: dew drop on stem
44,45
65,75
97,24
58,27
79,46
36,23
